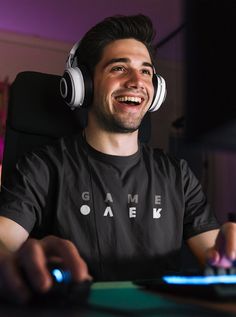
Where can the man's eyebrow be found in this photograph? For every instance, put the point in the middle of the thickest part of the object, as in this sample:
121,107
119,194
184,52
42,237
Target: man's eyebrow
148,64
117,60
125,60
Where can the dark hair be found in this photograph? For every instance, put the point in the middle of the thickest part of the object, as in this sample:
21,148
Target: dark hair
113,28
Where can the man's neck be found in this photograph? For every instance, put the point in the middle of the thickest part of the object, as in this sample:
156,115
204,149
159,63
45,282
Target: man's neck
121,144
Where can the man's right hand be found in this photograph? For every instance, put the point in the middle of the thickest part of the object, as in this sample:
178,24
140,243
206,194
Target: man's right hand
33,258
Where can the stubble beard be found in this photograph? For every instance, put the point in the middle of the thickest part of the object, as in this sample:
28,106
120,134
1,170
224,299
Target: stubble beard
117,124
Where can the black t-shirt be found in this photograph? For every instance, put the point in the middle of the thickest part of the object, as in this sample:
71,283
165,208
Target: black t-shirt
127,215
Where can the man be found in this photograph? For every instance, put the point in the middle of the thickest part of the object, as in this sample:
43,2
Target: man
100,203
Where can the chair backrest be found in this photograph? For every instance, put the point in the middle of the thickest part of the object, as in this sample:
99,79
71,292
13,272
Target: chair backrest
37,115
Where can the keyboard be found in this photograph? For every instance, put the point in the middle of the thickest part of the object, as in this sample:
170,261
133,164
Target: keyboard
212,283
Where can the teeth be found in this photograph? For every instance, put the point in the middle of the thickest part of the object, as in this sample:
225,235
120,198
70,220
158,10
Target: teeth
130,99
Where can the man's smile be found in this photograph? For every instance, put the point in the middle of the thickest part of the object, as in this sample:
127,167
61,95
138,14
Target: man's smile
130,104
129,100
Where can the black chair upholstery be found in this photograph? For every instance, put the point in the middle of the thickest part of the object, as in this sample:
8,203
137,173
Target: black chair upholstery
37,115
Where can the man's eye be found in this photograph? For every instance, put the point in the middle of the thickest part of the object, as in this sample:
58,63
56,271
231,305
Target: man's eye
147,72
118,69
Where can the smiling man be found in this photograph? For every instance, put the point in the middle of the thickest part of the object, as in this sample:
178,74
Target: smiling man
123,92
100,203
124,89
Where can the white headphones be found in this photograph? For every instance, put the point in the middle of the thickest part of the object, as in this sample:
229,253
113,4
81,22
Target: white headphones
76,86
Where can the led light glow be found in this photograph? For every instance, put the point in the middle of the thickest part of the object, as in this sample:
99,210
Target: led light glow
61,276
57,274
200,280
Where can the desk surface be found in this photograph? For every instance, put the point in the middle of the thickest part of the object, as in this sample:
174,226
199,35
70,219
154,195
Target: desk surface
125,299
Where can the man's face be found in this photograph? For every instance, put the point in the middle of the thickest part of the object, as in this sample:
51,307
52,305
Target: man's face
123,89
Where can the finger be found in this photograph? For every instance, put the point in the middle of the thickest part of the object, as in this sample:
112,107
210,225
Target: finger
229,231
213,257
70,256
32,259
12,286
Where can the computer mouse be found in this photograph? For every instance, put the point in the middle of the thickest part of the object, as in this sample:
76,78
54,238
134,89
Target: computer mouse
64,291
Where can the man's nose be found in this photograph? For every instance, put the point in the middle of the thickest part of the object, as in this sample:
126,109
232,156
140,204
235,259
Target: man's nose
134,80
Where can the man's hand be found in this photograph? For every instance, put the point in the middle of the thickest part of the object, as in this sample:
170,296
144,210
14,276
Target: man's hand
223,253
33,258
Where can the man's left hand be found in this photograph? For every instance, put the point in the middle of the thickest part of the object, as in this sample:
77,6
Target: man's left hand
223,253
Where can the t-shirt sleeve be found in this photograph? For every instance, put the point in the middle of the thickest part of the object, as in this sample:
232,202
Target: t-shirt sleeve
23,196
198,215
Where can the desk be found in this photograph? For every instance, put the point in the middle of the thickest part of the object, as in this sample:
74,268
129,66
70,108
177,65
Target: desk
121,299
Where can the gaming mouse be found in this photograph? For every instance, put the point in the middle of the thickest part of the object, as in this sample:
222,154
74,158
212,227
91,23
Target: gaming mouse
64,290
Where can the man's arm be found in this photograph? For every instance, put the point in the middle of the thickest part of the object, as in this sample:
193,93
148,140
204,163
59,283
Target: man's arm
201,243
12,235
215,247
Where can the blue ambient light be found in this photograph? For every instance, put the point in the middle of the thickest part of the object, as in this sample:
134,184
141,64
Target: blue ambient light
200,280
61,276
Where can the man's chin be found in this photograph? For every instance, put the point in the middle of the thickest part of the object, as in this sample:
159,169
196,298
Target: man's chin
118,127
124,130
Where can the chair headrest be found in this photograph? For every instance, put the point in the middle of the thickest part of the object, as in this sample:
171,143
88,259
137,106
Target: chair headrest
37,95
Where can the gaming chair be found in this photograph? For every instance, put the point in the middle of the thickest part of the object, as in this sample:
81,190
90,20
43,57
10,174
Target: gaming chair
38,115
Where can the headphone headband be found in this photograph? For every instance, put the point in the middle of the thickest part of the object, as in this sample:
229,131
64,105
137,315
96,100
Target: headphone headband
71,56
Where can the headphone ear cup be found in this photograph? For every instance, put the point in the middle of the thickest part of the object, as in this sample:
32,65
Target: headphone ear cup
159,92
76,87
